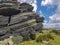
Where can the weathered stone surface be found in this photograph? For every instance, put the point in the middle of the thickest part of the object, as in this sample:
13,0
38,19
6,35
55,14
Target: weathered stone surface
17,39
38,26
39,19
25,7
19,20
25,31
23,24
4,31
3,20
5,36
9,4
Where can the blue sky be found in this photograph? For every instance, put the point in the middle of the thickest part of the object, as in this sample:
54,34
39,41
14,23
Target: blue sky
51,11
45,10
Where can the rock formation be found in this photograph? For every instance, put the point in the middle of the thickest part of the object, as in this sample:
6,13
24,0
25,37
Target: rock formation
18,19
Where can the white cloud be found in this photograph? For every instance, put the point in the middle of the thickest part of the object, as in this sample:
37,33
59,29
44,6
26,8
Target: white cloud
55,18
34,5
50,2
31,2
27,1
46,2
52,25
54,21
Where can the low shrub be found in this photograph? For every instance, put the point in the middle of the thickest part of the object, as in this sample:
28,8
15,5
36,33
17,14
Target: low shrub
45,37
32,36
50,36
56,32
26,38
39,39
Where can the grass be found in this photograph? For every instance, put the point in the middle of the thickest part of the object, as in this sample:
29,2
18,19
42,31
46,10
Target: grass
56,40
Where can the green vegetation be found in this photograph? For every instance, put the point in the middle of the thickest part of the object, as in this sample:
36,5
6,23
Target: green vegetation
47,37
26,38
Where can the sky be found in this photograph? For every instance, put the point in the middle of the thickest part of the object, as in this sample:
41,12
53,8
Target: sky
49,9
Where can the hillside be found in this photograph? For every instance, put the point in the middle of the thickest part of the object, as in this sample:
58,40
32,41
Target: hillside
46,37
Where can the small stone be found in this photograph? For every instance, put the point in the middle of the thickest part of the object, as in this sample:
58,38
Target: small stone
46,42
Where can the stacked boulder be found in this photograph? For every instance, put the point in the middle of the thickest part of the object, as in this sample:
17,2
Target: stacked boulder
18,19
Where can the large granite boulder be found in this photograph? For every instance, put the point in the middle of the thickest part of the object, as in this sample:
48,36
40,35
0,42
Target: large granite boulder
18,19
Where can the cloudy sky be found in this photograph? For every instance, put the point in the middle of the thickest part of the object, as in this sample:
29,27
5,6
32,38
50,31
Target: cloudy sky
50,9
52,13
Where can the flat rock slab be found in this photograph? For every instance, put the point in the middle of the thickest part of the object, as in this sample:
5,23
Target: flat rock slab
21,17
5,36
38,26
3,20
4,31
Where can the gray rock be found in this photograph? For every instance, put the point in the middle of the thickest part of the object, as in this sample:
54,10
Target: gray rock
4,31
18,19
22,17
39,19
5,36
23,24
17,39
3,20
26,7
38,26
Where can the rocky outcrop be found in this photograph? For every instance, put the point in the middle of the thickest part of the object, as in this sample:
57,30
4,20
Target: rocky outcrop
20,20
